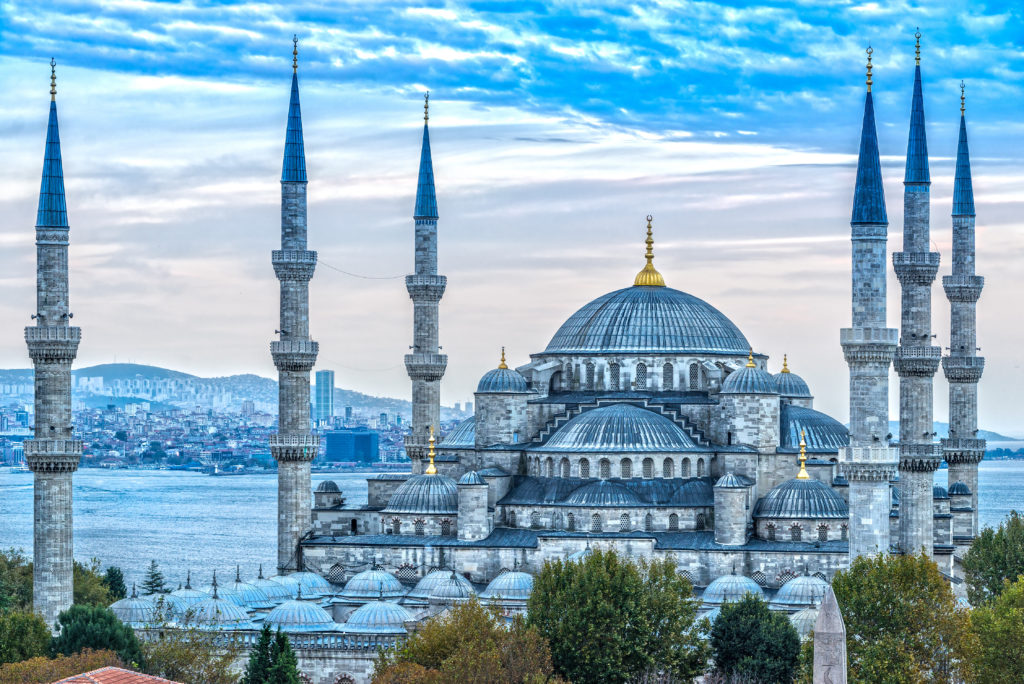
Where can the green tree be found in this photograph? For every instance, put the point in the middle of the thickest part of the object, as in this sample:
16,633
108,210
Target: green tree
15,580
23,635
89,587
468,644
902,623
113,580
995,557
96,627
187,653
611,620
260,660
999,626
752,643
154,582
285,666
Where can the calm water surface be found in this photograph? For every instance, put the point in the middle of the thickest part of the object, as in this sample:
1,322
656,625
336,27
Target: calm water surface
189,520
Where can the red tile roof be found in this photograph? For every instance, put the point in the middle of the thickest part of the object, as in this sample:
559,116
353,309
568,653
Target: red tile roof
114,675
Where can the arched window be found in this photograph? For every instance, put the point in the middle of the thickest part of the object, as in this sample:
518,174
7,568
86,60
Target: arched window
568,375
624,524
648,523
418,522
666,376
446,528
566,468
673,523
595,523
844,532
396,526
555,384
648,468
511,518
625,469
701,522
344,679
686,467
694,378
549,467
668,468
770,531
605,468
613,373
590,375
795,532
700,467
641,376
584,468
822,532
570,522
535,520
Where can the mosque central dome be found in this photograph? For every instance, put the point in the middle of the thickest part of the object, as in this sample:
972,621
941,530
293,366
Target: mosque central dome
648,319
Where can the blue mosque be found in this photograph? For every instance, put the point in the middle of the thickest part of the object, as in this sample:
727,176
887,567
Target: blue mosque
650,424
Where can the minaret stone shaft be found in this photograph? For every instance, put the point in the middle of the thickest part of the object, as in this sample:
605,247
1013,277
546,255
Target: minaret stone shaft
916,358
294,353
963,368
869,462
52,454
425,364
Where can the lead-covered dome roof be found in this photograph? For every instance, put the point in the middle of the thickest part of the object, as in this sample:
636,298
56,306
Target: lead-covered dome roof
135,611
792,385
799,592
509,585
502,380
426,586
434,494
373,584
602,493
462,437
749,380
729,588
648,320
327,486
299,616
798,498
312,585
378,617
619,428
221,613
824,434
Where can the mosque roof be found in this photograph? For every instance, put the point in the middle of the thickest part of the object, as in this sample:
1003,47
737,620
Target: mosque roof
328,486
729,588
135,611
502,380
452,588
798,498
648,319
749,380
373,584
312,584
803,621
378,617
471,478
253,596
823,434
509,585
289,583
711,615
791,385
959,488
462,437
619,428
432,494
602,493
799,592
299,616
219,612
189,596
939,492
732,481
426,586
574,491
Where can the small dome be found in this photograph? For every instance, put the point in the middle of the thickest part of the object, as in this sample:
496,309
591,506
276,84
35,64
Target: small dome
299,616
225,592
471,478
729,588
749,380
378,617
802,499
823,433
328,486
452,590
959,488
462,437
803,621
602,493
370,585
619,428
712,614
840,481
791,385
135,611
221,613
313,585
799,592
291,585
189,596
171,605
510,585
425,587
580,555
435,494
502,380
939,492
731,481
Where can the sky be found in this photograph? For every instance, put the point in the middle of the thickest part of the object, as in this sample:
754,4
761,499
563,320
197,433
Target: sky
555,128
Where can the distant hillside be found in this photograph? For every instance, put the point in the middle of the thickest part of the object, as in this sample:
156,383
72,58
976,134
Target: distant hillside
943,431
127,371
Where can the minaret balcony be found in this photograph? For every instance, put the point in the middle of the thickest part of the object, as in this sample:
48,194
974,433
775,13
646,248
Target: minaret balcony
963,288
968,451
52,343
294,355
428,367
52,235
915,268
294,447
920,458
963,369
868,463
52,455
294,264
426,287
868,345
917,361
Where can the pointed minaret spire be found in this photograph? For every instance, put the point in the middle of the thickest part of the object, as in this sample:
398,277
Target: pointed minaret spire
52,211
917,145
868,195
426,198
294,151
963,188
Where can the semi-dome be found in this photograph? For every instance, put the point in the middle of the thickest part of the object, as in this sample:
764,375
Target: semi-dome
619,428
373,584
328,487
435,494
729,588
425,587
502,380
220,613
798,498
645,320
823,433
602,493
462,437
803,621
799,592
135,611
749,380
790,384
509,585
378,617
312,585
299,616
693,493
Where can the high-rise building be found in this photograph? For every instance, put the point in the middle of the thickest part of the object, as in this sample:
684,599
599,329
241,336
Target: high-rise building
324,395
348,414
357,445
383,420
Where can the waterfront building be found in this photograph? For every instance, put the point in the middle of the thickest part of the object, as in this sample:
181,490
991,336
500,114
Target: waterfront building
324,396
352,445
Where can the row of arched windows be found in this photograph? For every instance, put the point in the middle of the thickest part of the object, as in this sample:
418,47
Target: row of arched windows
696,376
419,527
796,532
546,468
572,522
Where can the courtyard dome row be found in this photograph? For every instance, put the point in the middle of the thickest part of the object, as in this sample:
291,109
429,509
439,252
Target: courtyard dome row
511,584
299,616
729,588
800,592
372,584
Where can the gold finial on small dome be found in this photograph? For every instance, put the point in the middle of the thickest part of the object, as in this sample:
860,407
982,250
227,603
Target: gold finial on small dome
870,51
649,276
426,105
53,80
503,365
750,359
962,98
295,53
917,46
431,469
802,475
785,363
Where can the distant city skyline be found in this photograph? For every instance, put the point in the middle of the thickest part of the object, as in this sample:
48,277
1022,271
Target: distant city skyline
554,132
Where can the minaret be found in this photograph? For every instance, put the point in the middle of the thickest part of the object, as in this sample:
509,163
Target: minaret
294,353
916,359
963,368
869,462
52,454
425,365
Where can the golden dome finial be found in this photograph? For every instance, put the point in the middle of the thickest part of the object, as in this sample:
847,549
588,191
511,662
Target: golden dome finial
917,46
785,363
961,98
295,53
802,475
53,80
503,365
649,276
750,359
426,105
869,51
431,469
